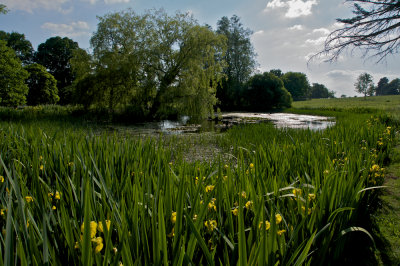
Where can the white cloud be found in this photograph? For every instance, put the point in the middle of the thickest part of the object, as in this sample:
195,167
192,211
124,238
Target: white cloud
108,2
74,29
259,32
116,1
296,27
298,8
342,74
316,42
275,4
294,8
318,36
322,31
30,5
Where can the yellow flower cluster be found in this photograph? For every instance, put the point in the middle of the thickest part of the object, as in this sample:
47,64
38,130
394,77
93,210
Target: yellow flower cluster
387,131
172,234
235,211
211,205
309,210
28,199
94,227
297,192
54,197
267,224
209,188
311,196
210,225
173,217
173,221
280,232
376,174
249,204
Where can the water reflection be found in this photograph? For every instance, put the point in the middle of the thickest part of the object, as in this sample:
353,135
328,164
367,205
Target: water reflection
280,120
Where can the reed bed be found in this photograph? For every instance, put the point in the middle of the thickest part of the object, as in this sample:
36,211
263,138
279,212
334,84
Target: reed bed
287,197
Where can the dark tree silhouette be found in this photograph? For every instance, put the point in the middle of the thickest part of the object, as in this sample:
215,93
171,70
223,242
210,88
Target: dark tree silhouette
375,29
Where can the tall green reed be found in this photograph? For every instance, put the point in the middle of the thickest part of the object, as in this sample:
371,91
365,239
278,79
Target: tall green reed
287,196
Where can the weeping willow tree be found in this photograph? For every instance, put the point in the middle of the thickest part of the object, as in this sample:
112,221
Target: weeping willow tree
160,63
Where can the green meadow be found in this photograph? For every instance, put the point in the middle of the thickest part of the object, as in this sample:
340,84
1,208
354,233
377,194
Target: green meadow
72,193
390,103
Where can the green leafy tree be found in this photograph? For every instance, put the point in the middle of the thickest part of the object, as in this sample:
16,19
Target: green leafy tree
371,90
22,47
318,91
55,55
276,72
42,86
380,88
239,58
13,89
364,84
265,92
393,88
166,64
297,84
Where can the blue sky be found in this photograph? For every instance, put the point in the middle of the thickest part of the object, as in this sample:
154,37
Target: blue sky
286,32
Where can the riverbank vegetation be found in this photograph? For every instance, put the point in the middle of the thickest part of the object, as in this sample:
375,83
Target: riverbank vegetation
267,195
141,66
74,191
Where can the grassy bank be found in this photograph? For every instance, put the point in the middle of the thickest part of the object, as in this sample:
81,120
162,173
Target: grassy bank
265,196
390,104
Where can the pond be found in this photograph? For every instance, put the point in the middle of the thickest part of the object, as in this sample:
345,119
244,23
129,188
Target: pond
226,121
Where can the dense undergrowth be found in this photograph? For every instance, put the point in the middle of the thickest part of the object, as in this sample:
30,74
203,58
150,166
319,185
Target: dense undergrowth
285,196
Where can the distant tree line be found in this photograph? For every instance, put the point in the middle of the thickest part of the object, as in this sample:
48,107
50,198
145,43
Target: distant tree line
242,89
152,65
35,77
365,85
384,87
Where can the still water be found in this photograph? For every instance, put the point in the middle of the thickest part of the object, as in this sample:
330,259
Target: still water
226,121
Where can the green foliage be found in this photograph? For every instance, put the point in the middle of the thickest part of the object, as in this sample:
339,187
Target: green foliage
3,9
277,72
380,88
239,58
320,91
386,88
55,55
22,47
13,89
165,65
297,84
393,88
265,92
287,197
365,85
42,86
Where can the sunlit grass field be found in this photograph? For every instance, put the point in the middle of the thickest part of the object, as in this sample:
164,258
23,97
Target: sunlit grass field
390,103
70,195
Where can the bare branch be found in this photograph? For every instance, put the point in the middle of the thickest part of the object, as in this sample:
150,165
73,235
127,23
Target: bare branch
375,29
